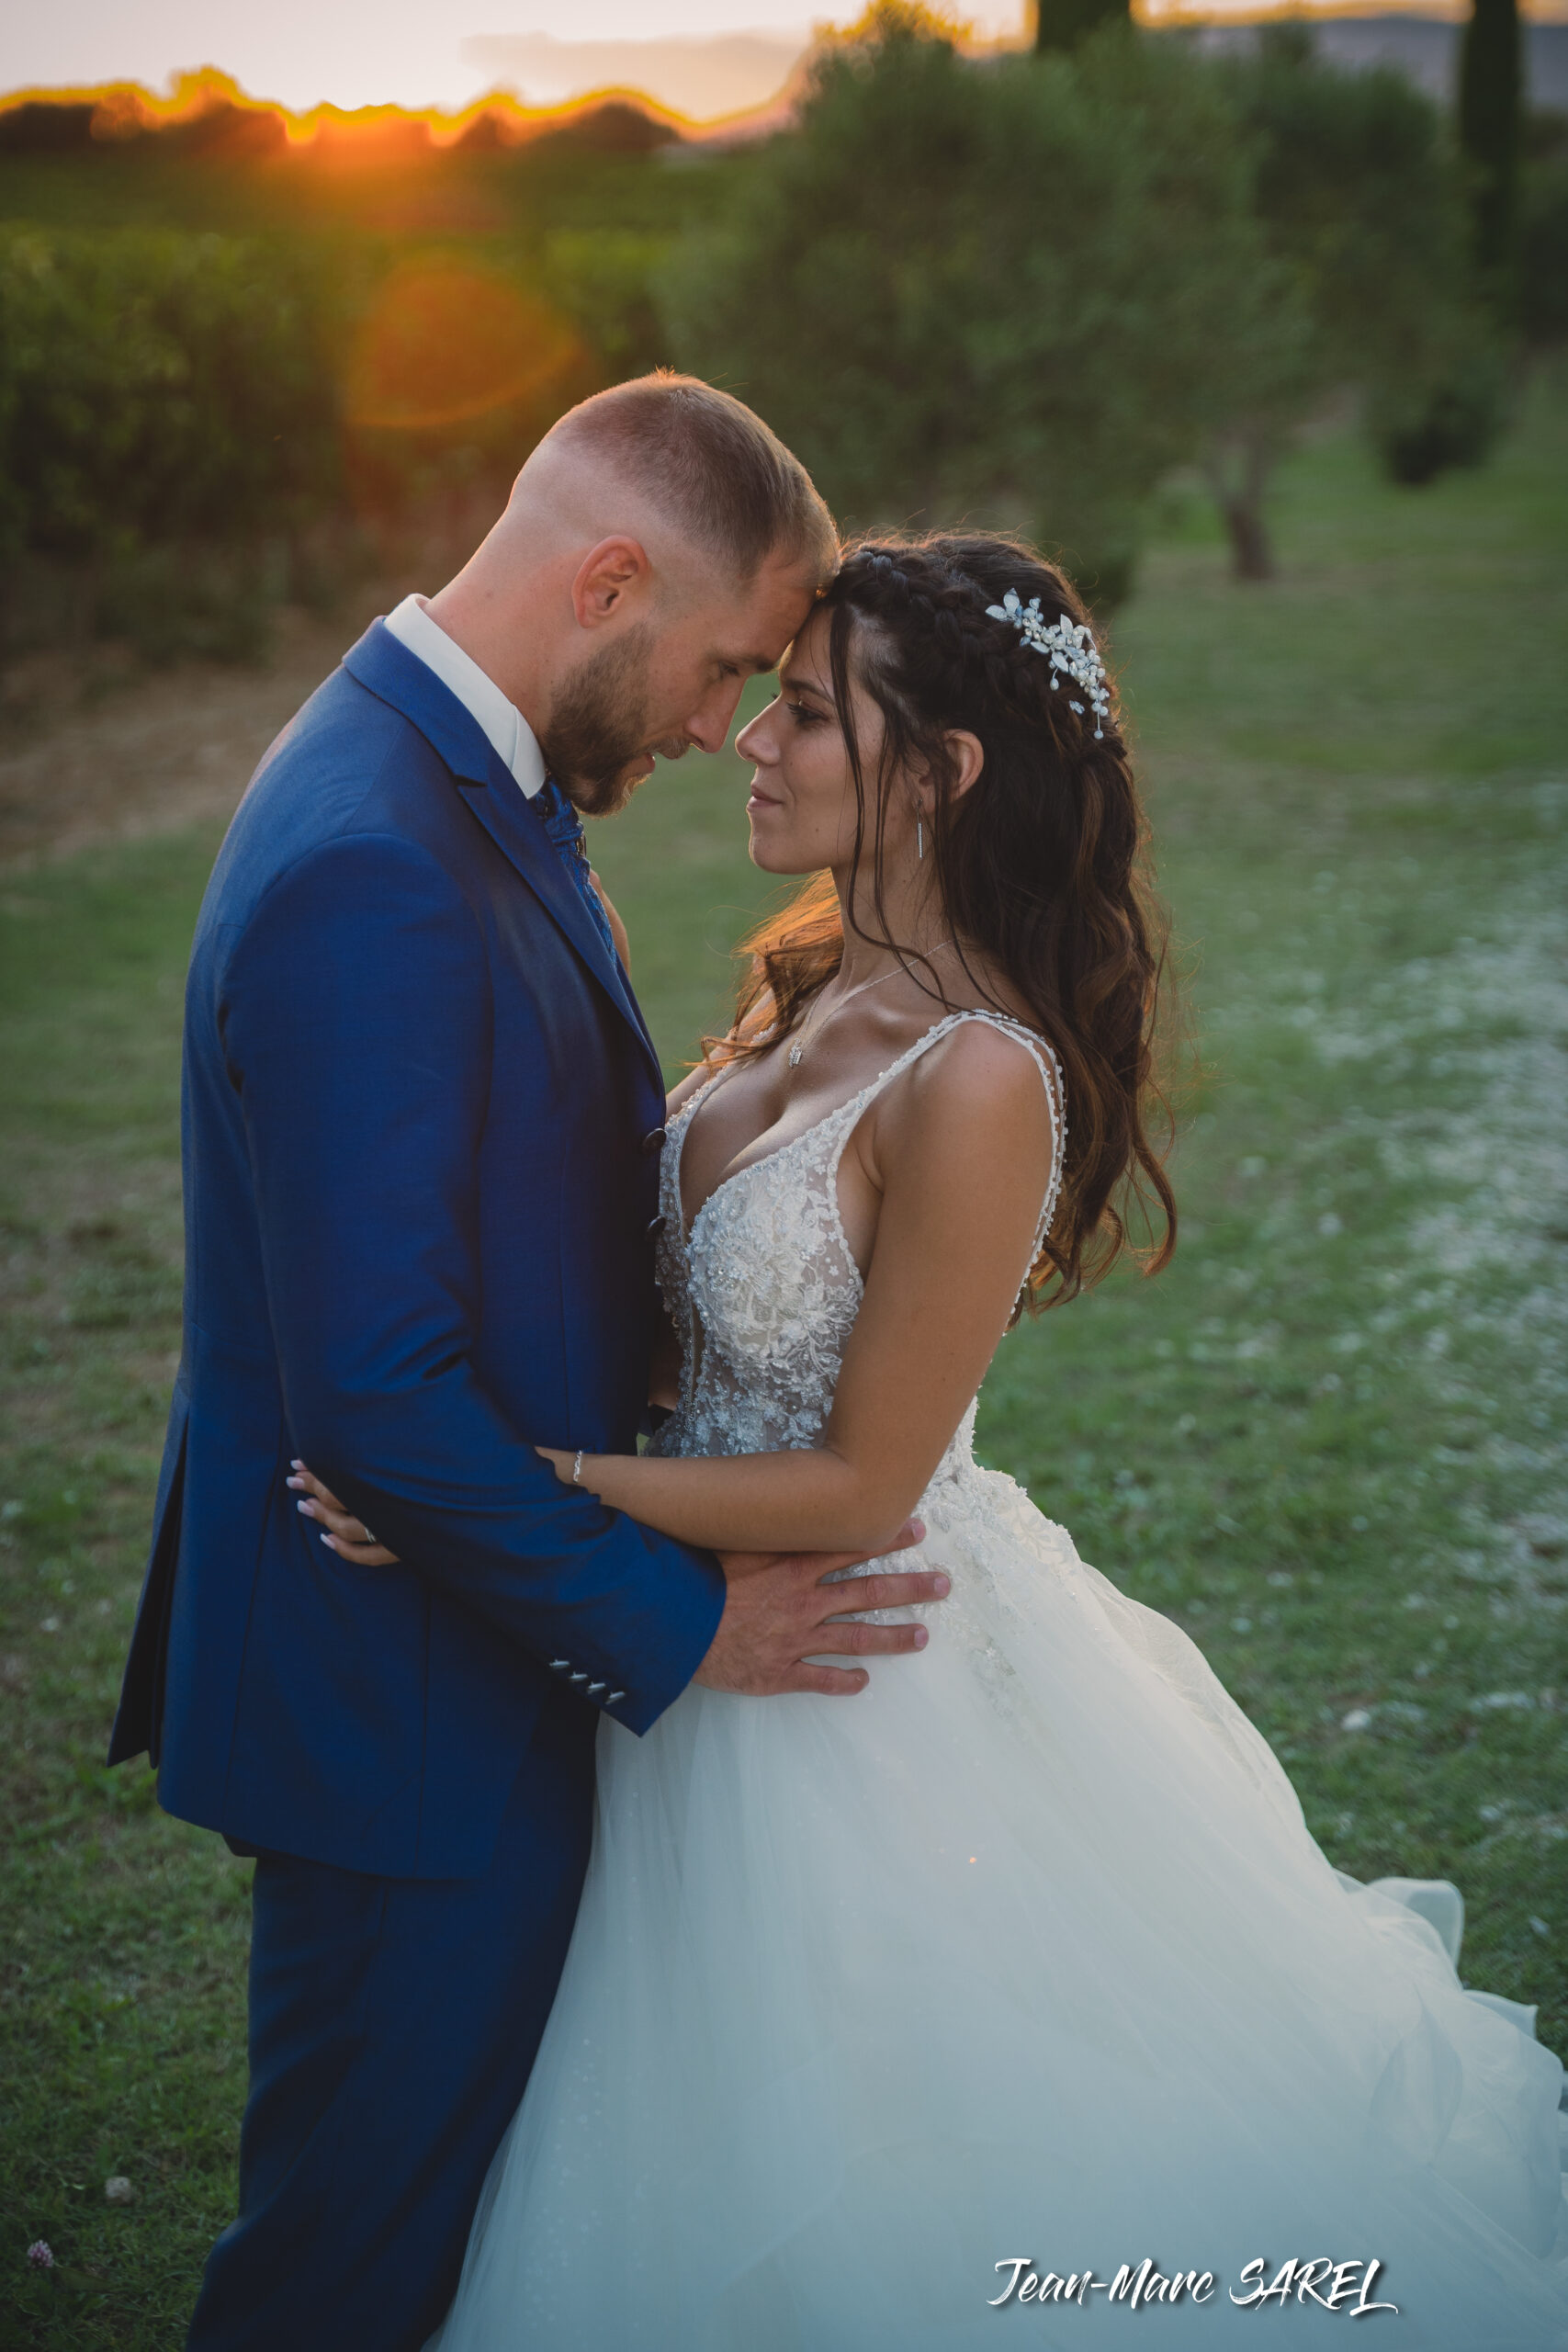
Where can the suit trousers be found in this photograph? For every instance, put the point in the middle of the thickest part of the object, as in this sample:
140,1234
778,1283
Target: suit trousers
393,2023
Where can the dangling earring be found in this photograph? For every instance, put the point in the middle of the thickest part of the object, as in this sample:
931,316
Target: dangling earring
919,837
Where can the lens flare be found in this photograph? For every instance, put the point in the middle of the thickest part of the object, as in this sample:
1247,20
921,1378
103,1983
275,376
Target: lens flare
445,342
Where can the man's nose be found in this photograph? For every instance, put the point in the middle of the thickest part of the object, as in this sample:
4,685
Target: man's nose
709,724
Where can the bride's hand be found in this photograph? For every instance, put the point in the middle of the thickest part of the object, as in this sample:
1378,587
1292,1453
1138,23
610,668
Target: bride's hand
571,1468
348,1536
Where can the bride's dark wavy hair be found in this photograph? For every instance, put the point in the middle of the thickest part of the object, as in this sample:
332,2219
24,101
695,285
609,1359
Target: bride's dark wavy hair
1041,866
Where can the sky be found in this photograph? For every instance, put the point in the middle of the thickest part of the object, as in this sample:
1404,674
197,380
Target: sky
435,52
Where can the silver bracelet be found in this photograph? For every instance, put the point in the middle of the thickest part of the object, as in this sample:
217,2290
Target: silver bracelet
577,1467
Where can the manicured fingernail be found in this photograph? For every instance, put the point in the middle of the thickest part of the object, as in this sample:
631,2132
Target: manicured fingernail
918,1526
294,1482
921,1637
943,1586
296,1464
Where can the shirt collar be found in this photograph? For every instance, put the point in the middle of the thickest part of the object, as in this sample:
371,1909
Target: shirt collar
509,733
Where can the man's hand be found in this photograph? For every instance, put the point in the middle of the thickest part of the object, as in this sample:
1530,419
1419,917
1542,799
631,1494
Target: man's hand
779,1611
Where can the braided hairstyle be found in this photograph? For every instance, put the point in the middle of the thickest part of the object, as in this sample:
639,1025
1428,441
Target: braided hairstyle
1040,865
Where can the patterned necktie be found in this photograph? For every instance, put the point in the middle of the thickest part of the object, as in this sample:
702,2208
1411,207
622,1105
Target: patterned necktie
564,826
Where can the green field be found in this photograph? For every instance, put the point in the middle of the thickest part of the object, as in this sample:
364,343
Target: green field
1328,1441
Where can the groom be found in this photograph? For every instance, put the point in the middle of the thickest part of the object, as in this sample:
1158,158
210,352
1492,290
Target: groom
422,1125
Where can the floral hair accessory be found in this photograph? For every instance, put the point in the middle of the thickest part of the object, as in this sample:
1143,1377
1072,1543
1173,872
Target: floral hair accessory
1069,646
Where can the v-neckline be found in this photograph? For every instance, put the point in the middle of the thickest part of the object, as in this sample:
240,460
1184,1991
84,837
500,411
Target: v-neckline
688,1230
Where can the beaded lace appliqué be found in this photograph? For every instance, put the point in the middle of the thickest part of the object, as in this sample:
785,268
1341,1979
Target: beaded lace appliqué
763,1290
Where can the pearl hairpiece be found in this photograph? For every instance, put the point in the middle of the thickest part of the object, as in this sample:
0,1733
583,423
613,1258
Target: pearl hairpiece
1069,646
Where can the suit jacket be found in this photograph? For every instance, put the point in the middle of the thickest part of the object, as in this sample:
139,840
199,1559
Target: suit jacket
421,1126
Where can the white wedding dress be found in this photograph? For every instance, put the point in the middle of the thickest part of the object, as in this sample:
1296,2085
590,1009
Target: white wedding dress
1027,1951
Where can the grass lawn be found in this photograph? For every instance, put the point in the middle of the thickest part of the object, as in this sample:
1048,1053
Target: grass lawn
1328,1442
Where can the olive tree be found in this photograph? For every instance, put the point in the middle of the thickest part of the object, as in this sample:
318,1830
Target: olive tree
1008,289
1358,193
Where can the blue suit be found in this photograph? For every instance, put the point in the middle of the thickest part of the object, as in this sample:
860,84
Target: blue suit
420,1124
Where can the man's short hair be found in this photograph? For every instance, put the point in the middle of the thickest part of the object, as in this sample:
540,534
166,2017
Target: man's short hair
712,468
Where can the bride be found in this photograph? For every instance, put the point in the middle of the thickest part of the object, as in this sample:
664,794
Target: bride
1019,1992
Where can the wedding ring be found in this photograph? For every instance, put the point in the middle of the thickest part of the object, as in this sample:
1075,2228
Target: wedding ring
368,1538
577,1467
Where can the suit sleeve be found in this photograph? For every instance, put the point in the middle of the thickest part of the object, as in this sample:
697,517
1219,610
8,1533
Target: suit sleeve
356,1014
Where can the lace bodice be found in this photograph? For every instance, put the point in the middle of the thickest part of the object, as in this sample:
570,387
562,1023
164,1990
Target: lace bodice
763,1289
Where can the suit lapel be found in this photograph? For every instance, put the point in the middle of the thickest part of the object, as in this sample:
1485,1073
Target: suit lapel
517,831
495,799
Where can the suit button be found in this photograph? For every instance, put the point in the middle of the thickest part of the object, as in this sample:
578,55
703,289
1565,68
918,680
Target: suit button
653,1141
656,1224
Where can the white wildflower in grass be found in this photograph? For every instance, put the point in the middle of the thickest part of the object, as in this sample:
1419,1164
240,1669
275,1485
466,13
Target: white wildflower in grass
118,2190
1358,1719
40,2255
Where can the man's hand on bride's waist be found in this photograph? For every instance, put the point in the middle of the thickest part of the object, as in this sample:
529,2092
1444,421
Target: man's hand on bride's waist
781,1614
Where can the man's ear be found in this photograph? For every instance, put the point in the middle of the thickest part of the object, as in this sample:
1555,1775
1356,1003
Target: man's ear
609,576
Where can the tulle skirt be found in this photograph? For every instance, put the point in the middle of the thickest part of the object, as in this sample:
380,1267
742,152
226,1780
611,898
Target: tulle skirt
923,2019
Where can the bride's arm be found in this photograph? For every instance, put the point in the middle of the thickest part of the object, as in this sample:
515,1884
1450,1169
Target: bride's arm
963,1152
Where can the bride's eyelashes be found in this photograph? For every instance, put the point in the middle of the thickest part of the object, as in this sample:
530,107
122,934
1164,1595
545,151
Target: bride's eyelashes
804,716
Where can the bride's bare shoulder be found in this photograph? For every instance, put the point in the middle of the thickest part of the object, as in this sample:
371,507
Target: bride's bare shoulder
982,1061
984,1092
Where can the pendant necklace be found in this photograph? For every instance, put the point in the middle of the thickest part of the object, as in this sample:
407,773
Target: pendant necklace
813,1024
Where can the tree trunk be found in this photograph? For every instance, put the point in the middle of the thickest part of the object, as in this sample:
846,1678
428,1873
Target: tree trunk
1240,487
1252,552
1060,24
1489,101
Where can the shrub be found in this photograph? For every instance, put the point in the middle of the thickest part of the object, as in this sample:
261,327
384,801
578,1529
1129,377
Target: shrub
1453,422
159,391
1544,230
157,386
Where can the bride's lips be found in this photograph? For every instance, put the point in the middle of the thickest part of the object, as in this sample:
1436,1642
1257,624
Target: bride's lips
761,799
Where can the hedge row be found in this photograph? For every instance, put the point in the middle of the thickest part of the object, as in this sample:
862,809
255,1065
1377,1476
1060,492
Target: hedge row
157,386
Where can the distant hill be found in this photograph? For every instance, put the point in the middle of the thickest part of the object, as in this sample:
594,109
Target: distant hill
1426,48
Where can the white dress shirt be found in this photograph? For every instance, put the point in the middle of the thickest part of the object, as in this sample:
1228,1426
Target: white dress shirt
511,737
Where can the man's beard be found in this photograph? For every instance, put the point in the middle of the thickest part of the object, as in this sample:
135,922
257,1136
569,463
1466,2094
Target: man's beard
599,726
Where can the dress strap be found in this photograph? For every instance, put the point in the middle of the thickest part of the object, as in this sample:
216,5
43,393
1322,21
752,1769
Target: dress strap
1045,1059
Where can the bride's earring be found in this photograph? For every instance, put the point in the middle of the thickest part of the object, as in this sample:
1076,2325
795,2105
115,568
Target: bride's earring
919,837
